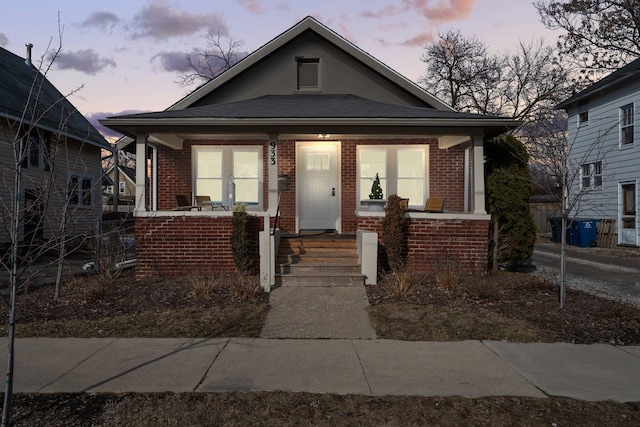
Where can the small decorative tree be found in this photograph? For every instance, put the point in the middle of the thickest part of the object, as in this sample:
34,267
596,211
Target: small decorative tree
240,243
376,190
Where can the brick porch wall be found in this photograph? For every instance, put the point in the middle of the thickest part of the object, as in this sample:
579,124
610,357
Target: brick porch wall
175,246
431,242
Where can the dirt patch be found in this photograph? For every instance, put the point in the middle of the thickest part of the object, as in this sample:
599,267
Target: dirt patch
504,306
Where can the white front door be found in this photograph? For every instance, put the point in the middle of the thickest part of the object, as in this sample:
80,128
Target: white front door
317,186
628,215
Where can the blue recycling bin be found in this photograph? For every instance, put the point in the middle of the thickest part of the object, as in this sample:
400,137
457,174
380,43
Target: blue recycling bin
586,232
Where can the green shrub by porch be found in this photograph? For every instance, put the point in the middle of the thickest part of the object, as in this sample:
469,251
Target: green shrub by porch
240,243
508,192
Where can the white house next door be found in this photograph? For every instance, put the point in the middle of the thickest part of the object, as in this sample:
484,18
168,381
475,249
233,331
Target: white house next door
628,215
318,186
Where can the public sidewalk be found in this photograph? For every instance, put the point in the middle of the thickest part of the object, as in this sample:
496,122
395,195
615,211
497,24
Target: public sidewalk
342,366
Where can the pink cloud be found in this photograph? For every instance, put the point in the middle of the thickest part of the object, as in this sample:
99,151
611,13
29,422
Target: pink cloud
382,13
443,11
254,6
419,39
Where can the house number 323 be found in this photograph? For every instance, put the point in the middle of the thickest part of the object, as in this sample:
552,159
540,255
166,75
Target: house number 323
273,152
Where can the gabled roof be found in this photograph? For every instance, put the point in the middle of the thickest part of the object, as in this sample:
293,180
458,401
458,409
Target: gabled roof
619,77
46,109
310,24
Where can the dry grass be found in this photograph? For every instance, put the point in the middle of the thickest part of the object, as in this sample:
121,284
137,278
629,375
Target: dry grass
308,409
245,287
399,284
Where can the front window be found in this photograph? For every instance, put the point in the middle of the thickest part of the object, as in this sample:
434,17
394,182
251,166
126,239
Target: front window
402,170
626,125
217,168
121,187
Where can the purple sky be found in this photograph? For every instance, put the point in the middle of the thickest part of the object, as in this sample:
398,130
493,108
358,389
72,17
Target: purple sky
126,54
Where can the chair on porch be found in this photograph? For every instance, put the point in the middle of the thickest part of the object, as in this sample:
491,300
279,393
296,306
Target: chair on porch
182,203
434,204
203,201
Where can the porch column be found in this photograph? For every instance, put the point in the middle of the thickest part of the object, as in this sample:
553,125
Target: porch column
478,176
272,170
141,173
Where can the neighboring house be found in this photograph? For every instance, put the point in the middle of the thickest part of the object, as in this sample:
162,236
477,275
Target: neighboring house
301,127
61,169
605,147
125,186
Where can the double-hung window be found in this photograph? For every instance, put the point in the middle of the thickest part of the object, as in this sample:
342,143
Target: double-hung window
216,168
591,175
402,170
626,125
37,150
80,190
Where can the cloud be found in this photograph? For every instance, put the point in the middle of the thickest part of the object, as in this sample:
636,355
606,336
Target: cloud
4,40
160,21
106,21
419,40
86,61
173,61
382,13
443,11
105,131
253,6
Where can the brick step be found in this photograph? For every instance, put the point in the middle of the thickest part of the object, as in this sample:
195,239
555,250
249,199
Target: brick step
320,279
324,268
338,244
284,250
317,258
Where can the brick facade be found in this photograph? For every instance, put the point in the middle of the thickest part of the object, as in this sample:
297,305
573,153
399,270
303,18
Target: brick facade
431,241
174,246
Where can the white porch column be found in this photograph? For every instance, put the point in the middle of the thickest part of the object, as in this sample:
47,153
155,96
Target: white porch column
478,176
141,173
272,170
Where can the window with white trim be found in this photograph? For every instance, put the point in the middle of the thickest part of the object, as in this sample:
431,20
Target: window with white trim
37,150
583,114
402,170
80,190
626,125
215,167
591,175
121,186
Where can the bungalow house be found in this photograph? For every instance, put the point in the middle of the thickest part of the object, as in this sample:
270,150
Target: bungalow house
297,131
605,150
58,152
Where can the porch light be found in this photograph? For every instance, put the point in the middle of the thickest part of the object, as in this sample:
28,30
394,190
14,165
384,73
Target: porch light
324,135
231,189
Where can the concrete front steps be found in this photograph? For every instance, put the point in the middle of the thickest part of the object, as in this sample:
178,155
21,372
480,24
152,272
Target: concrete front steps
318,260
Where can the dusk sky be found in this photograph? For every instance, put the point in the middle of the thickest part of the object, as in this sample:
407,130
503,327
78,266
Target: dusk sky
127,54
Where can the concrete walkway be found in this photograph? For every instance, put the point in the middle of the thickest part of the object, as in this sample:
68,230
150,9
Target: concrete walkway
367,367
318,312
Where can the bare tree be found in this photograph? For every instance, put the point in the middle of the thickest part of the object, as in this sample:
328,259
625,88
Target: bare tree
466,75
461,72
598,36
39,194
220,55
550,149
